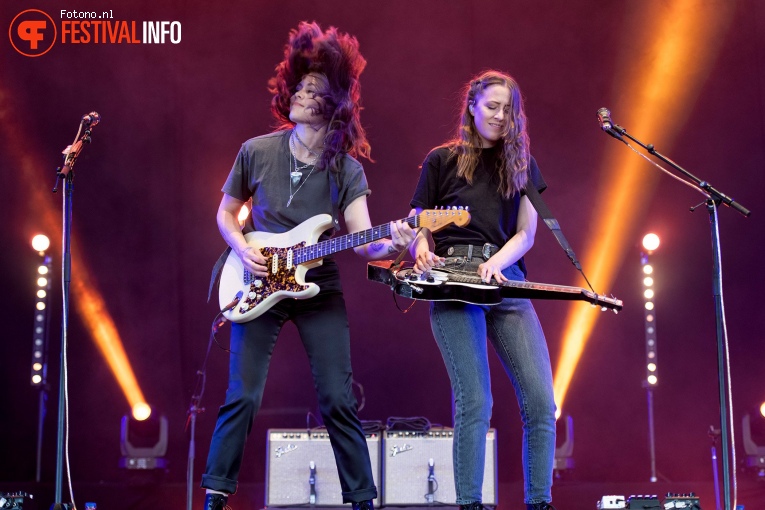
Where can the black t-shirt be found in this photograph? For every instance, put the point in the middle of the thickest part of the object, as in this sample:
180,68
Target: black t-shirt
493,218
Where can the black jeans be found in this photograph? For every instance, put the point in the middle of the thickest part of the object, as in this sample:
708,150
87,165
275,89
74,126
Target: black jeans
322,322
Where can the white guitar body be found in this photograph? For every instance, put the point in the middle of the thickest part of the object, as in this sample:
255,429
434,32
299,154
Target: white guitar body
243,296
284,281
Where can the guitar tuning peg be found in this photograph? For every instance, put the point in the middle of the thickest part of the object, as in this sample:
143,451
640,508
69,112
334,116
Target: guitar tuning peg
467,207
460,208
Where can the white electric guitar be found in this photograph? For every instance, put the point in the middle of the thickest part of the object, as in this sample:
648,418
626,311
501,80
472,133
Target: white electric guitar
243,296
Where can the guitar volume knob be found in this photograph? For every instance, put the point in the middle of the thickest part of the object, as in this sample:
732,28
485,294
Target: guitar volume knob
258,283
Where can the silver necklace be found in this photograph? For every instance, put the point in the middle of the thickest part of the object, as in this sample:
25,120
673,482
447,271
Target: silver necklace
300,141
296,175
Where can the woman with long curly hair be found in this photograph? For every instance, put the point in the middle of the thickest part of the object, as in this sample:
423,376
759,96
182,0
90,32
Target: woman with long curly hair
305,168
487,167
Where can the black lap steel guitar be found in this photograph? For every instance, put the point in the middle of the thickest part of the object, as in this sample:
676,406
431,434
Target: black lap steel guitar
446,285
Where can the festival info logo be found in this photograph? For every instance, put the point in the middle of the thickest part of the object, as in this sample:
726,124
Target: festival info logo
32,33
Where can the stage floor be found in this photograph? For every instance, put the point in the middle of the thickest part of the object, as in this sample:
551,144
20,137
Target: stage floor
567,495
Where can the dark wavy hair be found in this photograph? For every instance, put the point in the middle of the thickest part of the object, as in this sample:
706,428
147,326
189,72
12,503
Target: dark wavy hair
336,56
513,162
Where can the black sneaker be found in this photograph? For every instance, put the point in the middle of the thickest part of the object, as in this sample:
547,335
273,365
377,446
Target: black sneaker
472,506
215,501
363,505
540,506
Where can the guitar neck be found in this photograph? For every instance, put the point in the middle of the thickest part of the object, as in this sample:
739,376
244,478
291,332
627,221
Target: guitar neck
533,290
325,248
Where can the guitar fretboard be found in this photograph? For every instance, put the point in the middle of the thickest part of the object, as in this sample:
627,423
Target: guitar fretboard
544,287
340,243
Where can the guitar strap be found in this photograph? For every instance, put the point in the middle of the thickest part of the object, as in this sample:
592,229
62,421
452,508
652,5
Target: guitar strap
551,222
334,195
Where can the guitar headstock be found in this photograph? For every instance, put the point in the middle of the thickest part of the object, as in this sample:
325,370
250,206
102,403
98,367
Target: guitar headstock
604,302
436,219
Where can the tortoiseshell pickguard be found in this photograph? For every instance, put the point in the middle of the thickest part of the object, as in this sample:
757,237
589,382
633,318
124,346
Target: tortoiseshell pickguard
281,280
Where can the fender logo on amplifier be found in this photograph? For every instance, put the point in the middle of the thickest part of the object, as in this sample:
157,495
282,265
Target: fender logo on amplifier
284,450
395,450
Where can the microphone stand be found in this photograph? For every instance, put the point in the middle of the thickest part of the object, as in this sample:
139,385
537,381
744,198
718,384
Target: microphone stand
66,174
195,409
193,412
714,199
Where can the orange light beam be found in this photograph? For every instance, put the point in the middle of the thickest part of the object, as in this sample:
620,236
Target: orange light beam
87,300
661,79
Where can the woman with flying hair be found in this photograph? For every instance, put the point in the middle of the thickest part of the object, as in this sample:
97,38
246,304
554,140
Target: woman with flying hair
305,168
487,167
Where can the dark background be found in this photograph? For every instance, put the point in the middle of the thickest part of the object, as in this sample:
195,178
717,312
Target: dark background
173,118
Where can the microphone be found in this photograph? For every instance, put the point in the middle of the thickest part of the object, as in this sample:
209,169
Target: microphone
91,119
604,118
430,496
312,482
607,125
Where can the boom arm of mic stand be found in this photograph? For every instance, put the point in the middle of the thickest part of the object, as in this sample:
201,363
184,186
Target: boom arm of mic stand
714,193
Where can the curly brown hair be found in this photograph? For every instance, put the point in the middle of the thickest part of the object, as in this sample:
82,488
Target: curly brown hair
513,162
336,56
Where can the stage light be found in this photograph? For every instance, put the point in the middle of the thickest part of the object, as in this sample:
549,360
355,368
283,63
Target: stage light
40,327
40,243
143,444
564,454
244,212
141,411
650,242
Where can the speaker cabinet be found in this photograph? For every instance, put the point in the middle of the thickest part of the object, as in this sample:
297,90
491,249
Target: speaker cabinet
301,469
418,468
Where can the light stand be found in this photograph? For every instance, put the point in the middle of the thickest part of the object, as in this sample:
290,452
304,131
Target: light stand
651,433
650,243
66,174
714,199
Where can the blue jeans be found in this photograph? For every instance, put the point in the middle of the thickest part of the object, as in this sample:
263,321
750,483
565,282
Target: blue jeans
323,326
461,330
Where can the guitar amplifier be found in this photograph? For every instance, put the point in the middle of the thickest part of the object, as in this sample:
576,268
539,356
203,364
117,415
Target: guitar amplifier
301,469
418,468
